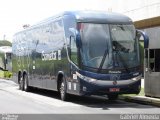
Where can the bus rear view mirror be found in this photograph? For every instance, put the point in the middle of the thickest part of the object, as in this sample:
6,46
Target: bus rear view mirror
78,40
77,37
140,34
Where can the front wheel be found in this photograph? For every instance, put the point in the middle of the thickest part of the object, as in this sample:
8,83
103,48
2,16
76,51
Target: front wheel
63,90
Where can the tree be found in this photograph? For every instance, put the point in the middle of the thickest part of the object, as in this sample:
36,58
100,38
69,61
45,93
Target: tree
5,43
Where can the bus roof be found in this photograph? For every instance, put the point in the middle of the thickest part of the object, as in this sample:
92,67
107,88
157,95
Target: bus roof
99,17
89,16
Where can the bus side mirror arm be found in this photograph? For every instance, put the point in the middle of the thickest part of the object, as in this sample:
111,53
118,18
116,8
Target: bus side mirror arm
77,37
140,33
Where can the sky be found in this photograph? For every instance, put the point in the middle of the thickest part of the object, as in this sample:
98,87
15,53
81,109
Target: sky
15,13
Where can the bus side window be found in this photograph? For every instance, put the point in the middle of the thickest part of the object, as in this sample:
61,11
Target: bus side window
157,60
73,53
154,60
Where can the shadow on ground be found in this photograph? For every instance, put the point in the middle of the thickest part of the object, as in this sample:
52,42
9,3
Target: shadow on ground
92,101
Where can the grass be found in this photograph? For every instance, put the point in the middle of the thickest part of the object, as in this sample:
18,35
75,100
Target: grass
132,95
141,92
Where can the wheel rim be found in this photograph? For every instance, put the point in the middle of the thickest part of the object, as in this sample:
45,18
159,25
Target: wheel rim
20,84
25,83
62,90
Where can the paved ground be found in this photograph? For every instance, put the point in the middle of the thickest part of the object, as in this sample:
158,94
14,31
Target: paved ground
15,101
141,98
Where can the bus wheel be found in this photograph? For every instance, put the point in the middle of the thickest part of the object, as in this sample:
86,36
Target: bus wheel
113,97
63,90
21,84
25,79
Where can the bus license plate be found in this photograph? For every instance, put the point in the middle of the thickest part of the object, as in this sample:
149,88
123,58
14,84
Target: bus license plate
114,89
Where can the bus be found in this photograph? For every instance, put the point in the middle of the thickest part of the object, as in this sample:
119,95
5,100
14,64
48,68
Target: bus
81,53
5,61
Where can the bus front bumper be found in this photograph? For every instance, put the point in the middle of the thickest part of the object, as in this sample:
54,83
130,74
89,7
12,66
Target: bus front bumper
100,87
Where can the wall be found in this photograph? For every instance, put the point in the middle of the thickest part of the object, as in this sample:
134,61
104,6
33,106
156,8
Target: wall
136,9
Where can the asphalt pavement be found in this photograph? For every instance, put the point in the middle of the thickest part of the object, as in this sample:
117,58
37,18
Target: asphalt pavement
46,105
12,100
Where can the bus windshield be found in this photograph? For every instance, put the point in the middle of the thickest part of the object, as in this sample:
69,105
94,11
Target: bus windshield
108,46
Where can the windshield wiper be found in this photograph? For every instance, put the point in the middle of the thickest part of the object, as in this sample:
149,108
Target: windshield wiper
123,62
103,59
119,47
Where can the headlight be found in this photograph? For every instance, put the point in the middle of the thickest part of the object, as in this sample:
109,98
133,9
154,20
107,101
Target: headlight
89,79
85,78
136,78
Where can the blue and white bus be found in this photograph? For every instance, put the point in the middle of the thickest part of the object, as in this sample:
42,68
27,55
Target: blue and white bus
81,53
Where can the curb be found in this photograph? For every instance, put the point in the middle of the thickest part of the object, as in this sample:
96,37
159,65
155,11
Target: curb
142,100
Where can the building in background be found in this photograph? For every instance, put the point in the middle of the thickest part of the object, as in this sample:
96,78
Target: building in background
144,13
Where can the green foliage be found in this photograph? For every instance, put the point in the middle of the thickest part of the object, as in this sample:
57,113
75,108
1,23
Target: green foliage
5,74
74,58
5,43
1,74
141,46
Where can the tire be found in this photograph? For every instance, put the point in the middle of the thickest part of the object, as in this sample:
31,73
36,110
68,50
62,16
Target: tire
21,83
25,86
63,90
113,97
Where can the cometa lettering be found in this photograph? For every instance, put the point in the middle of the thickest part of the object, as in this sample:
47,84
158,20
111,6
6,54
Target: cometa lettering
49,56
